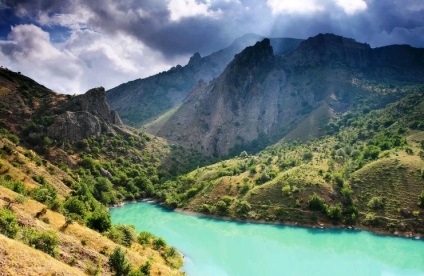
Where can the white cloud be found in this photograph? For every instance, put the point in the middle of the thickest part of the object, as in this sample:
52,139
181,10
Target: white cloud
87,59
295,6
28,49
189,8
352,6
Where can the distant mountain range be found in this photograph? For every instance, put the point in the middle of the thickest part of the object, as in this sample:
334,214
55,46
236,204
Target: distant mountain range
140,101
262,97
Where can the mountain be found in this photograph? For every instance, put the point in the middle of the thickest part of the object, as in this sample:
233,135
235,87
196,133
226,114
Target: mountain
141,100
63,160
367,172
261,97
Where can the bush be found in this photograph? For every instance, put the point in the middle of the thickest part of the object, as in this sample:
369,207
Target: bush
221,207
307,156
243,207
338,180
99,220
286,189
421,200
122,234
371,152
144,237
47,242
118,262
335,212
8,223
159,243
75,206
316,203
145,268
376,202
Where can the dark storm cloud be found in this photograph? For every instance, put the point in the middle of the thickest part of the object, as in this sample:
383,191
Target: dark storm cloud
73,45
149,21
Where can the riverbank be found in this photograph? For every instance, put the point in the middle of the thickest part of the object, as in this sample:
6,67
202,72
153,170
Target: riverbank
319,225
216,247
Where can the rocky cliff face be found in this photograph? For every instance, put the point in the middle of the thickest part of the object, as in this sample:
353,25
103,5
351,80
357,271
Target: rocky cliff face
140,100
261,97
86,115
38,111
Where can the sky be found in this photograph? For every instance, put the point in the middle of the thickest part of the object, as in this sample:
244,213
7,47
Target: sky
71,46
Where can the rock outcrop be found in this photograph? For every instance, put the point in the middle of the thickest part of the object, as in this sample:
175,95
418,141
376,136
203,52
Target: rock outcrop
86,115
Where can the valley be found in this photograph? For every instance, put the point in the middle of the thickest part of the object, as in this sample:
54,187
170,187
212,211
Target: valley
324,132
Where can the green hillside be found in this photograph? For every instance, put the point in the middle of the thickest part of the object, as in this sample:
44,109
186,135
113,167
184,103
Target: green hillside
367,171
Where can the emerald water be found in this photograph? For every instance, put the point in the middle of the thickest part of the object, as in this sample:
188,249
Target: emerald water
216,247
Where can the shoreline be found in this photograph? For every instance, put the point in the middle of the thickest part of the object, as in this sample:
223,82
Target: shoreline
319,226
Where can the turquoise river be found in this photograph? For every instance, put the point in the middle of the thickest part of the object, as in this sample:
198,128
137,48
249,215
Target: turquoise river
217,247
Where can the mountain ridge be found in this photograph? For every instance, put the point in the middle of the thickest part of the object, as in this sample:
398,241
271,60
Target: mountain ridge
259,97
141,100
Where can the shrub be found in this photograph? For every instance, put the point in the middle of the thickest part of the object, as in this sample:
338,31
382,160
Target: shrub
243,207
99,220
338,180
47,242
144,237
221,207
376,202
118,262
335,212
8,223
316,203
286,189
307,156
145,268
421,200
159,243
371,152
75,206
122,234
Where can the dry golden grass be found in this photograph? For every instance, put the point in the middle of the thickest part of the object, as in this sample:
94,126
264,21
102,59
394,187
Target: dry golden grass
21,168
94,253
17,258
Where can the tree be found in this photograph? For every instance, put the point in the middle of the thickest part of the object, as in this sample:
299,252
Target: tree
421,199
118,262
8,223
243,207
335,212
316,203
75,206
122,234
99,220
159,243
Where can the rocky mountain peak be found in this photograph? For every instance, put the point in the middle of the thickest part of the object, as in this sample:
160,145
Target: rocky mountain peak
255,54
331,49
195,59
94,102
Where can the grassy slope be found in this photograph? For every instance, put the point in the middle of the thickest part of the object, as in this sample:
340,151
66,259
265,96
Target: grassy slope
394,175
21,165
157,123
71,243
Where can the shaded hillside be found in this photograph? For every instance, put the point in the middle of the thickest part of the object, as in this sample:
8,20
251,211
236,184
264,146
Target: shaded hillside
368,172
61,163
141,100
261,97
